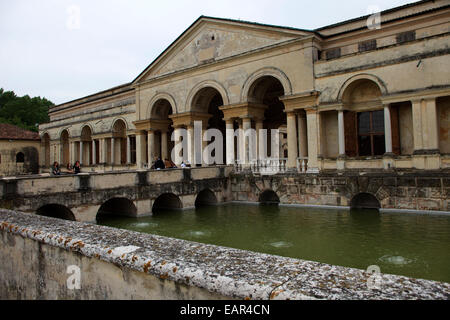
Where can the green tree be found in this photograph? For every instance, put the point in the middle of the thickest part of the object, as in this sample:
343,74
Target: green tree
24,112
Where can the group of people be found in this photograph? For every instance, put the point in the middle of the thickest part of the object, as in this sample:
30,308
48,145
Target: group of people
75,169
159,164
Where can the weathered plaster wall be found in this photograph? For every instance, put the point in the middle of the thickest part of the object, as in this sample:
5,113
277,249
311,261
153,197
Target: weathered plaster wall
118,264
8,152
406,129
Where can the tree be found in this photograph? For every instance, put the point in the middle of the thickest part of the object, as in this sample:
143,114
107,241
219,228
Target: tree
24,112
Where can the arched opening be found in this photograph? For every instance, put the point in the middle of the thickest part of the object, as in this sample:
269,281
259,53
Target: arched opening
45,142
56,211
269,197
85,155
364,119
119,147
117,207
205,198
365,201
266,91
64,140
20,157
167,201
207,101
163,129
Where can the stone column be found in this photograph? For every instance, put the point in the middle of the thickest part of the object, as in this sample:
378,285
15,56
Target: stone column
260,143
164,146
313,140
191,144
246,126
229,133
128,149
140,149
178,146
341,133
72,152
113,151
302,136
94,152
387,129
103,150
431,132
81,152
150,147
292,141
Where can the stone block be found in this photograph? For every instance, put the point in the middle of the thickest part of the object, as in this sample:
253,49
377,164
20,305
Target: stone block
428,182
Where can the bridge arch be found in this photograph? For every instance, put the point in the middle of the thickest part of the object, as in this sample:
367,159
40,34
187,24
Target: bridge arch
54,210
117,207
205,198
167,201
269,197
365,200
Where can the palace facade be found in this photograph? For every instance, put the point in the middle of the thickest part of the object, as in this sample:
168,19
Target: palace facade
346,96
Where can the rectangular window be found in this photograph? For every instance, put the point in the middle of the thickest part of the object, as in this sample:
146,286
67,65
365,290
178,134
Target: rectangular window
367,45
333,53
406,36
371,140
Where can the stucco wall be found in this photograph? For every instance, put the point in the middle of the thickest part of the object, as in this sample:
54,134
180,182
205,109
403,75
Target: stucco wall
8,152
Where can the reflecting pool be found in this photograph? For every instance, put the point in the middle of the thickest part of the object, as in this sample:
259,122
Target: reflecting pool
413,245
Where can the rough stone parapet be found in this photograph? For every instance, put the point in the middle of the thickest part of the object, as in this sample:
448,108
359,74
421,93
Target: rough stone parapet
227,272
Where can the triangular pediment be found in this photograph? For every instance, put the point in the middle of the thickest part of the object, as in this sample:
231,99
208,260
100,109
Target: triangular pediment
212,39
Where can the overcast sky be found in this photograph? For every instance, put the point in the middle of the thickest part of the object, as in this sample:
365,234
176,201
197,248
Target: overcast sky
46,51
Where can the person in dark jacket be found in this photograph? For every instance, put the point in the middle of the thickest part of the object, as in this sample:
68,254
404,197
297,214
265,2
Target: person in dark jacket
77,167
159,164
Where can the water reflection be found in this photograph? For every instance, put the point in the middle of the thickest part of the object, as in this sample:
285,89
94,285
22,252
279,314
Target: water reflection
406,244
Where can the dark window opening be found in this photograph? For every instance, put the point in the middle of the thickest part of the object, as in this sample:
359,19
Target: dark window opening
333,53
406,36
367,45
20,157
371,140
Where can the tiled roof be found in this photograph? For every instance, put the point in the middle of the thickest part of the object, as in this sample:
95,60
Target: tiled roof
11,132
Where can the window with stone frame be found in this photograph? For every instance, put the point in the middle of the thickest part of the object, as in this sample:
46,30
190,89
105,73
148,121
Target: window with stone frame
371,140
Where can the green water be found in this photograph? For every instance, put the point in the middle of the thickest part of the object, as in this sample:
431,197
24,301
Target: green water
413,245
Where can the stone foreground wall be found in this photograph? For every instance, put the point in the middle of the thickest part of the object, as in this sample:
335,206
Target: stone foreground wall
410,190
36,252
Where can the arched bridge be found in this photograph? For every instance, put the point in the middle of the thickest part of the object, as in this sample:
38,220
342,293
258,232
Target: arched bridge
83,197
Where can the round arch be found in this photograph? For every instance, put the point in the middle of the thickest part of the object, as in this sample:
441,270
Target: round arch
116,120
264,72
117,207
54,210
206,84
205,198
360,77
365,200
64,140
167,201
86,126
161,96
269,197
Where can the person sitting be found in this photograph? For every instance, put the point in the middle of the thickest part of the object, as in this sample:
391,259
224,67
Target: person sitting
77,167
188,164
159,164
55,169
70,168
183,165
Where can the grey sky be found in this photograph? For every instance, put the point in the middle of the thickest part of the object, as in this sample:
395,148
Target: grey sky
43,53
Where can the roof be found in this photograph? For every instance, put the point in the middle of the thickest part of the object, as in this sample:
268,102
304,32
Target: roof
12,132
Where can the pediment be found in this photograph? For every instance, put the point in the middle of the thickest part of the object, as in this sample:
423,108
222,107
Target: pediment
212,39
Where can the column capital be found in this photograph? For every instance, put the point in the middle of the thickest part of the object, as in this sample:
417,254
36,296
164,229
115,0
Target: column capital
301,100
